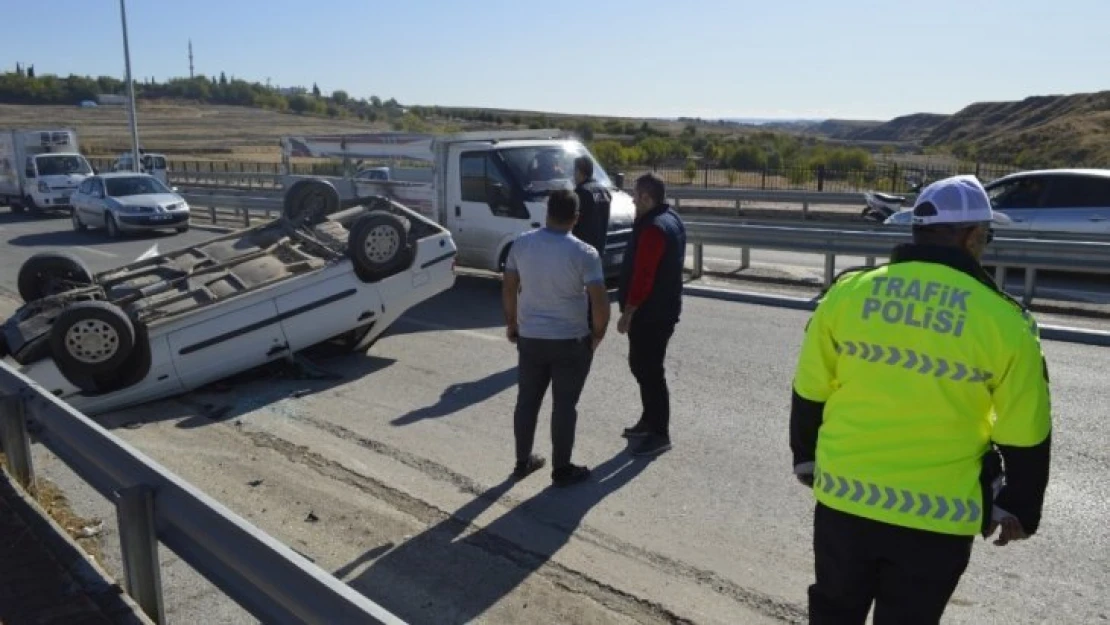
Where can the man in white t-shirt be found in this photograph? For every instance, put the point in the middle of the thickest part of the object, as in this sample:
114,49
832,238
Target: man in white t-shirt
550,275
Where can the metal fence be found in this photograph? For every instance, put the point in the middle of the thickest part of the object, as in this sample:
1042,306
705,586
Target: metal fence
883,176
271,581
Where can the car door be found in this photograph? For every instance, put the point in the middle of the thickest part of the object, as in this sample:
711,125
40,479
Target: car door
1075,203
319,311
96,205
235,341
1020,198
79,199
486,207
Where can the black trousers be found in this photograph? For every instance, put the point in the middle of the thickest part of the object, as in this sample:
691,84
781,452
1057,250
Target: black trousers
647,349
909,574
563,365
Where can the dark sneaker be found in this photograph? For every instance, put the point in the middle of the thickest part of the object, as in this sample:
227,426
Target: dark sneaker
524,469
637,431
569,475
652,445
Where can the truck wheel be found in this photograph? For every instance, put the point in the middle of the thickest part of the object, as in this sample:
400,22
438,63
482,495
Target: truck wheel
379,245
49,273
16,206
91,339
308,201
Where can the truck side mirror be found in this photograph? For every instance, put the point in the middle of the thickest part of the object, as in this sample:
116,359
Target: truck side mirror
30,172
619,179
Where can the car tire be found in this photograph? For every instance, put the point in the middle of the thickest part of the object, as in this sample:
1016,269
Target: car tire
47,273
182,229
308,202
75,219
91,339
379,245
111,226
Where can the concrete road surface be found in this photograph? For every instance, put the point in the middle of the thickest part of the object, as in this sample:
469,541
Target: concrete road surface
394,477
24,235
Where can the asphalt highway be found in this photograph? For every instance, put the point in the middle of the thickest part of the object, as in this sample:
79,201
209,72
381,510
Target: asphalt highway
403,463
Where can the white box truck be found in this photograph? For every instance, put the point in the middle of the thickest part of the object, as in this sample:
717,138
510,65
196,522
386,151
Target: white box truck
40,169
484,187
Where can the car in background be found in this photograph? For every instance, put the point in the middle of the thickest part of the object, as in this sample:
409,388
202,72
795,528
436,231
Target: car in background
1047,200
325,271
123,202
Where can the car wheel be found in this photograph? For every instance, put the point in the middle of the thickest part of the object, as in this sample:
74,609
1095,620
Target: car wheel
75,219
182,229
50,273
91,338
308,201
112,226
379,245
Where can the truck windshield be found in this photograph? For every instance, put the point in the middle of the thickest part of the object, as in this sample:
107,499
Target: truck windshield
134,185
544,168
61,165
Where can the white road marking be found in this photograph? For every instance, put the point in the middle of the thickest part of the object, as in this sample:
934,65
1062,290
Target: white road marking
93,250
440,326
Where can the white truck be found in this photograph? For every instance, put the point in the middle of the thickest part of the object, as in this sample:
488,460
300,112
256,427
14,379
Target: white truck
149,162
484,187
40,169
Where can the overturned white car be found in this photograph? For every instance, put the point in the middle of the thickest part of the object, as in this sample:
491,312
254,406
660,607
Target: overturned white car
171,323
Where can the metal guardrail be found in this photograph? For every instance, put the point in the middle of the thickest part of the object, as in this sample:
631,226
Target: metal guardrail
1031,254
271,581
1028,250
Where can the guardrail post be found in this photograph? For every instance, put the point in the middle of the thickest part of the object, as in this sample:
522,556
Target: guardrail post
699,259
212,213
1000,276
139,546
15,440
805,210
246,218
745,257
1030,279
830,268
869,261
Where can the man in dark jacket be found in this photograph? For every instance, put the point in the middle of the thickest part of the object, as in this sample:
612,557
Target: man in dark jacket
650,296
593,205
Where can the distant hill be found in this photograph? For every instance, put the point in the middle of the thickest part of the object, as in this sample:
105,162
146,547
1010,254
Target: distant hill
1039,130
907,128
843,128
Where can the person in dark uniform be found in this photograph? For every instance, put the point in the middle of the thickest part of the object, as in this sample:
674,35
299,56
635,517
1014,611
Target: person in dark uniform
650,296
593,205
593,211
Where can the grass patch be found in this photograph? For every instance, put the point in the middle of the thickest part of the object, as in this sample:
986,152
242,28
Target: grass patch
55,503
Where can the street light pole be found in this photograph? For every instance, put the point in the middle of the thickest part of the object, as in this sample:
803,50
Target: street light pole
130,92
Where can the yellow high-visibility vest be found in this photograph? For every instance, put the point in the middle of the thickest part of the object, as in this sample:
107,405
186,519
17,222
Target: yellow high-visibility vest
913,361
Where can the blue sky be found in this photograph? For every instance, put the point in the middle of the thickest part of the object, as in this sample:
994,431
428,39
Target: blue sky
859,59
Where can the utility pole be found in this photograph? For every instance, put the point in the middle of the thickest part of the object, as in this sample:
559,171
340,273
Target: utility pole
135,166
191,59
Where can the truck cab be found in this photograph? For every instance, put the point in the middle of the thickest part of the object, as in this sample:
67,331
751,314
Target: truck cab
46,169
151,163
496,192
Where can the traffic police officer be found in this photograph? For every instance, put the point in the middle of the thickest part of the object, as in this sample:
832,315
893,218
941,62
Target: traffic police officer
914,379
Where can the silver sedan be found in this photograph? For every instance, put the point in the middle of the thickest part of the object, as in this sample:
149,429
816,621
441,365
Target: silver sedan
128,202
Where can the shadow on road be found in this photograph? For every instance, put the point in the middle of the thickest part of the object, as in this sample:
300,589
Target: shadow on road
62,238
454,576
250,390
460,395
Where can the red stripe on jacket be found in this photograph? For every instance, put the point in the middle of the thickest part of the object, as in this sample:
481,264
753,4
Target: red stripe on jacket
649,251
